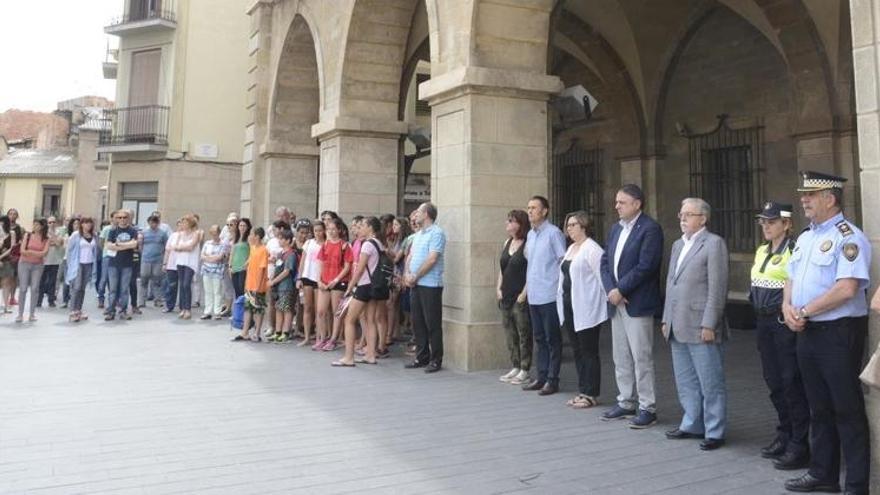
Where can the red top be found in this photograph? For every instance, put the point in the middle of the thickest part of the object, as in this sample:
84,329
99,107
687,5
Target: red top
333,256
33,244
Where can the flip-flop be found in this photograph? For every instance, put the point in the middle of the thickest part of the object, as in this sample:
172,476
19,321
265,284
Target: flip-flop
340,364
364,361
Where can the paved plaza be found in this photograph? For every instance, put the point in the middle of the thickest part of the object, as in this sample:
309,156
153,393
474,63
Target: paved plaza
161,406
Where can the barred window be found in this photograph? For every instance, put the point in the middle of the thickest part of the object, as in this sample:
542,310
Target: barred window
725,170
577,179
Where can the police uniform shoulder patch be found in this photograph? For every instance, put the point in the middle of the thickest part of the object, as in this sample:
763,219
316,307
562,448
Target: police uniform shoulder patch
844,228
851,251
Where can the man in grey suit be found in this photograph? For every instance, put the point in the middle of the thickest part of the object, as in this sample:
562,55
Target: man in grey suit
693,324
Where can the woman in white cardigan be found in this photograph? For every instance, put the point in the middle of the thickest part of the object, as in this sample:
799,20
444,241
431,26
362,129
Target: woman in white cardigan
582,306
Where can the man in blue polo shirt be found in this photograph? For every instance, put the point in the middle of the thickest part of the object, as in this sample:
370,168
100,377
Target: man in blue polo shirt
545,248
425,277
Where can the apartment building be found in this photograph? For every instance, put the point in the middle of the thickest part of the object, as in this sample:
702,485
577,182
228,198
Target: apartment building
176,136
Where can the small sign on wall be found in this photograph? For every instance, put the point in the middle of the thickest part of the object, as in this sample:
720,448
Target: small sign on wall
206,151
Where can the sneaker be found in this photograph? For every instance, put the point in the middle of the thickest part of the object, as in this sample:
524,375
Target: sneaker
617,412
645,419
319,344
329,345
510,374
109,317
126,315
281,339
520,378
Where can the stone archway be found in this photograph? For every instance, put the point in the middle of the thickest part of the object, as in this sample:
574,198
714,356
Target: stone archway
291,154
361,146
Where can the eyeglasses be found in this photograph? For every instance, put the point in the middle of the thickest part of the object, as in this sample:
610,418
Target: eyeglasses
688,215
573,224
122,217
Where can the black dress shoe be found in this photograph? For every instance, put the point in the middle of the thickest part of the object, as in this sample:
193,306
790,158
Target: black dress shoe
549,389
414,365
775,449
790,461
533,385
432,368
677,434
808,483
711,443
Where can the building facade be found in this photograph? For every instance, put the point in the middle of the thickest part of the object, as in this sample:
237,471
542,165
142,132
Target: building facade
176,134
724,99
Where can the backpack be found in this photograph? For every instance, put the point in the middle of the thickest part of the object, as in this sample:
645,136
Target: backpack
380,277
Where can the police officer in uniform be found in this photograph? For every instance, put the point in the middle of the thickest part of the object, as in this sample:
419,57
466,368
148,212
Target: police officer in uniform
776,343
825,303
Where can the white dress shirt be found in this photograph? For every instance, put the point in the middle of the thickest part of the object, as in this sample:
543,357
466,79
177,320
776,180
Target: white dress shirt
621,241
688,244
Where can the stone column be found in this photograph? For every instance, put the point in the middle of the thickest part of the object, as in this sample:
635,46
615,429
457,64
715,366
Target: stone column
359,166
259,49
291,180
489,155
865,21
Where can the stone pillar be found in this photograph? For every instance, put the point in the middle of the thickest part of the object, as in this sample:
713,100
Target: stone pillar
865,19
831,152
259,49
291,180
359,166
489,155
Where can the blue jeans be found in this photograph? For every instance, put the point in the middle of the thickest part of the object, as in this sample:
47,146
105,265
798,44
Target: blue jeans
170,289
699,378
101,277
118,286
184,283
548,341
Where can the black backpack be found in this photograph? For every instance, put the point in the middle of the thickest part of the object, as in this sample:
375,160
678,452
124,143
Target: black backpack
380,277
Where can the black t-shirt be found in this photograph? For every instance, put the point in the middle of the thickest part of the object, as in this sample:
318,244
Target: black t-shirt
119,235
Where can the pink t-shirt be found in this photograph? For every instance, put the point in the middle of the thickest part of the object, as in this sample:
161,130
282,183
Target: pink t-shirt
368,249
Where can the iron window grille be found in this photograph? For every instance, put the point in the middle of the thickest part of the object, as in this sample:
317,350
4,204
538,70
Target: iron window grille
726,170
577,179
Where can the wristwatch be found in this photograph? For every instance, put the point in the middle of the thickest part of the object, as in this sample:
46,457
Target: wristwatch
802,313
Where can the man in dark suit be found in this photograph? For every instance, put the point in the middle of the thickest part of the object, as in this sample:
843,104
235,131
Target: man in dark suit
631,276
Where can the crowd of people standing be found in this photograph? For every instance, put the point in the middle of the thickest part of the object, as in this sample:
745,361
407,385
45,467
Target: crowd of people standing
325,283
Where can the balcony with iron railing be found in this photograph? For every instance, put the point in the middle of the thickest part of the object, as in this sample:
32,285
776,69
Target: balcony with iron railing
134,129
144,16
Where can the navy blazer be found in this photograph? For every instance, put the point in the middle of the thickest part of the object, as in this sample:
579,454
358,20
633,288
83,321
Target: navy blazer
639,267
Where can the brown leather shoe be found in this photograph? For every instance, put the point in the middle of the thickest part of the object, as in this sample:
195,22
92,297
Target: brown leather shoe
533,385
549,389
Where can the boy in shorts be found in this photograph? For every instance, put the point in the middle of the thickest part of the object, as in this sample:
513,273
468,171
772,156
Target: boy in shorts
284,288
255,285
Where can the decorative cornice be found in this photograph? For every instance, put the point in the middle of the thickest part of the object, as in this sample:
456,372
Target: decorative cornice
356,126
483,80
280,150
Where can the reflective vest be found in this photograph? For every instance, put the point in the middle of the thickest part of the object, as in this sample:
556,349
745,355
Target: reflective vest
769,273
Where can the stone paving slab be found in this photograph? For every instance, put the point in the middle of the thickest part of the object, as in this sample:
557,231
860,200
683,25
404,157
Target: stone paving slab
161,406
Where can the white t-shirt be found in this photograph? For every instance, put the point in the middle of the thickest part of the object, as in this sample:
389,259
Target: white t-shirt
172,254
86,250
275,251
311,265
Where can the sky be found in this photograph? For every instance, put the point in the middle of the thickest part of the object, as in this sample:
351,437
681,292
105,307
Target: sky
52,51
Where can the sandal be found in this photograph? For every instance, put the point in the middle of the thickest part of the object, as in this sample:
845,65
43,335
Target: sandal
329,345
364,361
582,401
342,364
